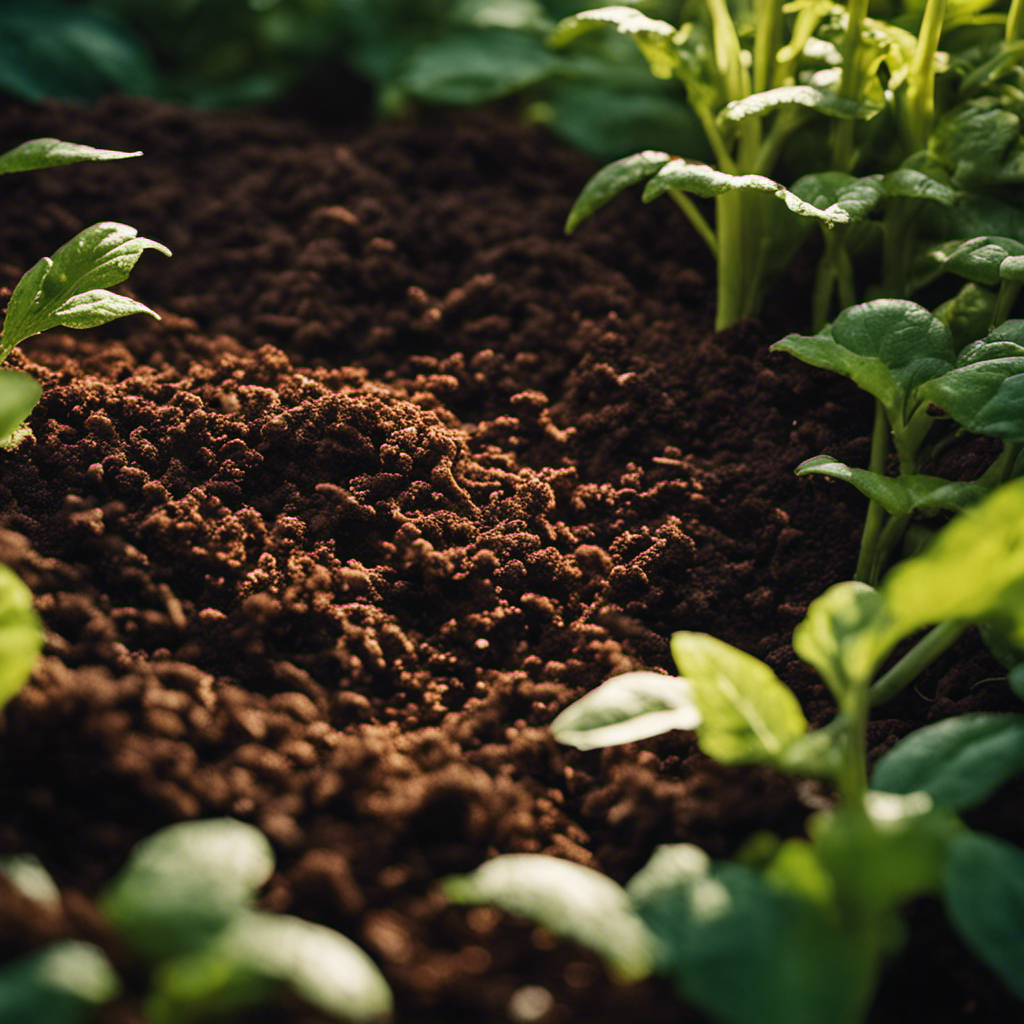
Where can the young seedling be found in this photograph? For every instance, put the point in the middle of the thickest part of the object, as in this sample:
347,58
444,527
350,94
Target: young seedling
68,289
798,930
183,905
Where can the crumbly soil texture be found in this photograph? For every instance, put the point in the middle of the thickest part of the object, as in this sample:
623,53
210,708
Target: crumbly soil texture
400,473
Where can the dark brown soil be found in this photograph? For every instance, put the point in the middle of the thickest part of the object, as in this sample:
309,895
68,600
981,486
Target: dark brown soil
400,474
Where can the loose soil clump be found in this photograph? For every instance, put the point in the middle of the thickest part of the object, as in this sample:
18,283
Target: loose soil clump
400,474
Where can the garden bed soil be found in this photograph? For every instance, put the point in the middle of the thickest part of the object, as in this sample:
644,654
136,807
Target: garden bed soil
400,474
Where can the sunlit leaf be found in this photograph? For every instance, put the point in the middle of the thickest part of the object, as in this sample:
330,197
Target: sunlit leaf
21,634
821,101
38,153
19,394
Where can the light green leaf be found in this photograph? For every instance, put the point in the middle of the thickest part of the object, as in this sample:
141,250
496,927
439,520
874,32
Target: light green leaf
972,571
742,949
19,394
900,495
911,183
654,38
261,953
705,181
627,708
968,314
575,902
186,883
26,873
62,983
612,179
960,762
821,101
888,347
38,153
887,854
66,289
843,637
21,634
749,716
984,897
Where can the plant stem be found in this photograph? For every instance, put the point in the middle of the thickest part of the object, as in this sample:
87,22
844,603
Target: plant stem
732,278
696,218
934,643
849,84
875,518
1015,21
1008,292
1011,453
920,104
889,537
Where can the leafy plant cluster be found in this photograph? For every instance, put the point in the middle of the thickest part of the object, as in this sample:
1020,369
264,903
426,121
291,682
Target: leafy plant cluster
183,908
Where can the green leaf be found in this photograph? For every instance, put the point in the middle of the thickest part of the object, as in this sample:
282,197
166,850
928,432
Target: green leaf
973,570
749,716
743,949
26,873
960,762
888,347
612,179
984,897
67,288
978,259
887,853
900,495
912,183
261,953
21,634
472,67
968,314
705,181
627,708
570,900
653,38
62,983
838,637
19,394
821,101
187,882
857,196
37,153
975,140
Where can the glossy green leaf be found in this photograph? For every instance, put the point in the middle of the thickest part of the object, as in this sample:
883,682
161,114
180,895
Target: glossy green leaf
748,715
654,38
19,394
912,183
959,761
968,314
979,259
67,289
38,153
184,884
743,949
821,101
612,179
840,638
974,141
627,708
62,983
887,854
21,634
973,570
472,67
857,196
575,902
984,895
888,347
259,954
900,495
26,873
705,181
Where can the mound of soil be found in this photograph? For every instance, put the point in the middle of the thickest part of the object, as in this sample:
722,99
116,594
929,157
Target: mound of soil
400,473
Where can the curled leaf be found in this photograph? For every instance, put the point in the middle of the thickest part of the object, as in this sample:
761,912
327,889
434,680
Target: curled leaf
38,153
612,179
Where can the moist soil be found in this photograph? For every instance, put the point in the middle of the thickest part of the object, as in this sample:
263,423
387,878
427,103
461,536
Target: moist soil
400,473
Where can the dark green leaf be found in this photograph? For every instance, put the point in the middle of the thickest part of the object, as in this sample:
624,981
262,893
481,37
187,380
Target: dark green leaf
968,314
186,883
748,715
959,762
612,179
974,141
910,183
19,394
742,949
37,153
978,259
261,953
627,708
575,902
21,634
67,289
985,901
60,984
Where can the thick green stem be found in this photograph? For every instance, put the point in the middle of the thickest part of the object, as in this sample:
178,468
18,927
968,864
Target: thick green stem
849,84
767,37
1011,452
889,537
919,112
732,270
875,519
933,644
1008,292
1015,22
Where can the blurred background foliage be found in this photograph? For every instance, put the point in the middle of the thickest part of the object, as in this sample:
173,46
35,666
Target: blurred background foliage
599,95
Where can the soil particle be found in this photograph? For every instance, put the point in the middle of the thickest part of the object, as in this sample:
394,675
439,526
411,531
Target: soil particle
400,473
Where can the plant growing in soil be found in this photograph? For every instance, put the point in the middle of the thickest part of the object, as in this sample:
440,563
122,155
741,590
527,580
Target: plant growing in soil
183,907
797,930
68,289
